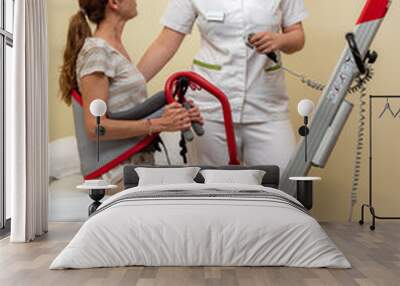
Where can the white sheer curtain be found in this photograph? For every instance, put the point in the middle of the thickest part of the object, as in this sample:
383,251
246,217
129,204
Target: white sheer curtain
27,127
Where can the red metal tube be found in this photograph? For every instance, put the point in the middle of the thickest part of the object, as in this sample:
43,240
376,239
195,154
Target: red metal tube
374,10
216,92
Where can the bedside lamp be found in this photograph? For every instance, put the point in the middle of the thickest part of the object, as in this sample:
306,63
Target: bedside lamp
305,184
98,108
305,108
97,188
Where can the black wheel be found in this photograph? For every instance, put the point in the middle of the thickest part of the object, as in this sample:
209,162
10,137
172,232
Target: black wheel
361,222
372,227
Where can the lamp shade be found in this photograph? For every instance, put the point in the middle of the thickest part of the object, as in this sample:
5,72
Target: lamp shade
98,107
305,107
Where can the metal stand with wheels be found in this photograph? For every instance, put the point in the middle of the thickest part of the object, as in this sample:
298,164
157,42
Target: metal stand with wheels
96,195
370,205
97,190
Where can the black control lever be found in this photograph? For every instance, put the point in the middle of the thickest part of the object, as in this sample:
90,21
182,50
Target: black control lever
351,40
372,56
271,55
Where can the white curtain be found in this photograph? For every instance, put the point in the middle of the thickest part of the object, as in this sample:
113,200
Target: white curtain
27,127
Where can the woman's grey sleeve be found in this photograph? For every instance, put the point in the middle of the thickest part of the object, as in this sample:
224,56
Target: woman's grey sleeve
151,108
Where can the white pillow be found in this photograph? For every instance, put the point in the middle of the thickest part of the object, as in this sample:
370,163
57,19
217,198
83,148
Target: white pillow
63,158
243,177
166,176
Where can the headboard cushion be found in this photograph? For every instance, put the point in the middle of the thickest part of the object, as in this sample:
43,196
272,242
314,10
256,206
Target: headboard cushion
271,177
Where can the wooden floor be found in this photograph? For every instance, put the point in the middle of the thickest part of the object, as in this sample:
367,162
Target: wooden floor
375,257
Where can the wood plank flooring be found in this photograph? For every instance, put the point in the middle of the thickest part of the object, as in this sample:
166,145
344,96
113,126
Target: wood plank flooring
375,257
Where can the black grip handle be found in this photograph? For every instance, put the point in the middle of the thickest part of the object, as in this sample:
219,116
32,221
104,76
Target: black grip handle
351,40
273,57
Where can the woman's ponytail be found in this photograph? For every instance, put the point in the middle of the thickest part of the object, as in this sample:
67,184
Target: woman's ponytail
78,31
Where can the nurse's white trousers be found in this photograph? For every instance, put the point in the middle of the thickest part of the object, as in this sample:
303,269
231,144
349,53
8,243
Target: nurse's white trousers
266,143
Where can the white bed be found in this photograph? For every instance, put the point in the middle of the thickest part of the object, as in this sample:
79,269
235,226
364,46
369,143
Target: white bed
201,231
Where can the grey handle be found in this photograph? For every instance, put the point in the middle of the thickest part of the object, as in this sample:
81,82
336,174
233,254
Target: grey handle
187,134
197,127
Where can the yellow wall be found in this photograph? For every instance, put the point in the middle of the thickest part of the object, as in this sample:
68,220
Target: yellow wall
325,29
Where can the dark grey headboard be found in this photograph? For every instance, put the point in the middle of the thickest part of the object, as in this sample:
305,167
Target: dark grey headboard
271,178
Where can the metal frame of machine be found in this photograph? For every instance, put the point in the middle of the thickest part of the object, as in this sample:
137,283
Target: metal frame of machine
333,109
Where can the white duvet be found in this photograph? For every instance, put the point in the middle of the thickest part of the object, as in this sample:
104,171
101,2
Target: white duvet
200,232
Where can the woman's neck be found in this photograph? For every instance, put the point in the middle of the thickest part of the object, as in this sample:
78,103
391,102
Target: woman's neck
111,30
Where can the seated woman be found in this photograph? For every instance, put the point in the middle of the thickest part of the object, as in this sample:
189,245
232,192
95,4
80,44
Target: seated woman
99,67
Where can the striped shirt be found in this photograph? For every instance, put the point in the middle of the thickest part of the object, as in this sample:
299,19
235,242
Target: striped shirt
127,88
127,84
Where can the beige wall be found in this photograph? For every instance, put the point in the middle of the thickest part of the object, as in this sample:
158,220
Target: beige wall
325,28
138,35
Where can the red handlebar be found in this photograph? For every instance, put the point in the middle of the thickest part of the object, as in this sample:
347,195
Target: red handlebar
213,90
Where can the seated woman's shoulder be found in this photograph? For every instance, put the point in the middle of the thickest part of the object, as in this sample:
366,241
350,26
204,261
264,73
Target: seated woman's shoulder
95,45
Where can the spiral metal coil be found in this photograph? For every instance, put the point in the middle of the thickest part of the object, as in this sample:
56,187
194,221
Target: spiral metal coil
361,81
312,83
359,87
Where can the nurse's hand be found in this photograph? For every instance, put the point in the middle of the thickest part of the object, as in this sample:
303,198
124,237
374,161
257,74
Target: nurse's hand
194,113
291,40
174,118
266,42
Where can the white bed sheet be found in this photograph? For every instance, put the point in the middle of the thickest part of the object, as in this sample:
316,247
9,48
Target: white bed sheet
200,232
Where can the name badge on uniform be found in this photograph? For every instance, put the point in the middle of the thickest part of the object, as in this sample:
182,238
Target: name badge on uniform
215,16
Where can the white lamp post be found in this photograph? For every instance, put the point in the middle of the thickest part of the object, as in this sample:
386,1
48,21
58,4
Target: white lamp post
305,108
98,108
